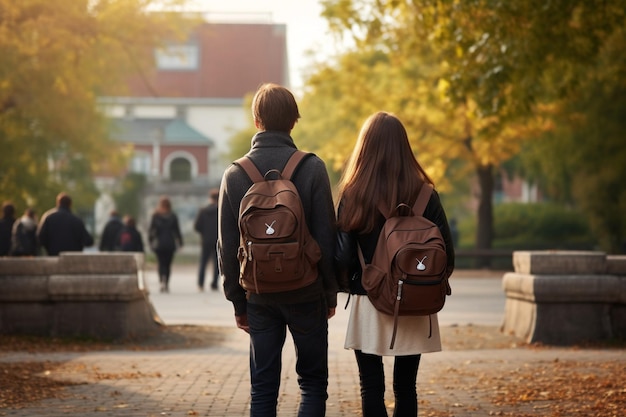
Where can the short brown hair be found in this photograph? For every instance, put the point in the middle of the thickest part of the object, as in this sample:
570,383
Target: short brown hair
64,200
275,108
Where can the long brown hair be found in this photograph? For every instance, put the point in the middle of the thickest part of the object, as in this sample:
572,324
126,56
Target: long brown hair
382,168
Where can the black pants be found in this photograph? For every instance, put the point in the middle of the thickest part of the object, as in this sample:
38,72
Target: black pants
164,259
372,377
209,253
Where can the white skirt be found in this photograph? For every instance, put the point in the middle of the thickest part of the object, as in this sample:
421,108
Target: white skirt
370,331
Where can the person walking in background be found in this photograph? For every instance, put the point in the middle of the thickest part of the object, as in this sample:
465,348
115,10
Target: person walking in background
304,311
383,170
62,231
6,227
206,225
165,238
110,232
128,238
24,236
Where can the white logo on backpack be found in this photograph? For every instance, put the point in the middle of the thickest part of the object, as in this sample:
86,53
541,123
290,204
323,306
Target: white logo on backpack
420,264
270,230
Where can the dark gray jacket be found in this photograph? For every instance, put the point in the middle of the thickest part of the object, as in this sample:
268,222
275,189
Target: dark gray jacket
61,231
271,150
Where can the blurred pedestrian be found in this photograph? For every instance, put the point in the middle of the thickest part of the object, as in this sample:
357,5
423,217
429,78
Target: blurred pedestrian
6,227
60,230
165,238
128,238
110,232
206,226
24,236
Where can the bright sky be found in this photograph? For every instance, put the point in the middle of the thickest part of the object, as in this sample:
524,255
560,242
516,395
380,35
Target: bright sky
306,30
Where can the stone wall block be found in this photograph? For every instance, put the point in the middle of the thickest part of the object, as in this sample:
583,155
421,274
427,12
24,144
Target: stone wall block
571,323
100,262
618,320
104,320
34,318
41,265
616,265
94,287
519,286
559,262
576,288
25,288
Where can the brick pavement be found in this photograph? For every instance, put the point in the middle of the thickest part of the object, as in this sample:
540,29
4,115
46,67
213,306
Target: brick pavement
213,381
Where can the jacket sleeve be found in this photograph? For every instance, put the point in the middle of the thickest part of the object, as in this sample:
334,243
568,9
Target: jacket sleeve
436,214
177,234
197,224
228,241
323,228
345,256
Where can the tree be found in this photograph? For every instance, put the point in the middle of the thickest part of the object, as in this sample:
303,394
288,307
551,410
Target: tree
491,60
589,137
57,58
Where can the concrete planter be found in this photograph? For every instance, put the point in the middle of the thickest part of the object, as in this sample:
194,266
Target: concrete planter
566,297
100,296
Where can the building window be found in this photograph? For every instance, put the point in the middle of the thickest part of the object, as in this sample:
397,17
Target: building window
140,163
180,170
177,57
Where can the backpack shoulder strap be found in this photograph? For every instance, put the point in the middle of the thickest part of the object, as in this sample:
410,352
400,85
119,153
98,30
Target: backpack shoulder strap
250,169
422,199
293,163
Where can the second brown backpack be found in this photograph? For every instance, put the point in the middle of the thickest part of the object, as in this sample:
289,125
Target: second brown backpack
408,273
277,252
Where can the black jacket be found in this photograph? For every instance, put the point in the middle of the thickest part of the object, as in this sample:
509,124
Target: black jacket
6,229
109,234
129,239
271,150
164,232
61,231
346,257
206,225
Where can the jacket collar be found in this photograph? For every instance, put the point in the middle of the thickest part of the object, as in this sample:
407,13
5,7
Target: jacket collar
272,139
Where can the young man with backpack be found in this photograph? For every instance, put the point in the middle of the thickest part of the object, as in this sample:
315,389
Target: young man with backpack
276,251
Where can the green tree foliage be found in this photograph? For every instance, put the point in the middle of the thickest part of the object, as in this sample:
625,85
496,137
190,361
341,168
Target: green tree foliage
57,58
128,197
239,143
474,80
589,139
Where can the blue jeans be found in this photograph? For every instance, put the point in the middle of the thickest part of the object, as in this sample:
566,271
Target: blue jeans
308,325
372,378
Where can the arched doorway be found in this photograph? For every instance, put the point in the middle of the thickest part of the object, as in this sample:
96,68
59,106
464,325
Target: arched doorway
180,170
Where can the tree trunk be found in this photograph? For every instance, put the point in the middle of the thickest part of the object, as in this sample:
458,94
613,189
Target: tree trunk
484,232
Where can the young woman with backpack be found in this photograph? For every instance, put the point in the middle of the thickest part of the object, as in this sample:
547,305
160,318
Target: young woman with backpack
383,172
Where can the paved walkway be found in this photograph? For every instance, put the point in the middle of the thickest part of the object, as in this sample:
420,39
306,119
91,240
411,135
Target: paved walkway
214,381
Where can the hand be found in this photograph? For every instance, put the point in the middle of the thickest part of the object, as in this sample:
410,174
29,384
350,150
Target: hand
242,322
331,312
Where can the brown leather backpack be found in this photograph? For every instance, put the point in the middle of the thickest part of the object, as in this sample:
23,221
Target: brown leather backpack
277,252
408,273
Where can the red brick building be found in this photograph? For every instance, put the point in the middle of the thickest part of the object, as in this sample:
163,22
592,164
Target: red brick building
178,119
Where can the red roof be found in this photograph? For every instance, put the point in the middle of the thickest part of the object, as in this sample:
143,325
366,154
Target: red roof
234,59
